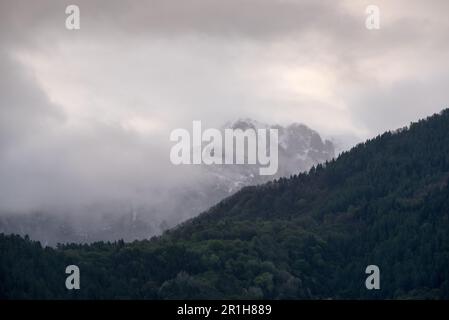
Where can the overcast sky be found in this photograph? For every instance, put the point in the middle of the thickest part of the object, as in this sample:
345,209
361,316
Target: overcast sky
85,115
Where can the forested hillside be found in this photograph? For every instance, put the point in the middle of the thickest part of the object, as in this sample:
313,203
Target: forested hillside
385,202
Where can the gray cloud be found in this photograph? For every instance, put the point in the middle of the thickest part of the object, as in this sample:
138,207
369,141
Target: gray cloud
240,18
25,109
85,115
401,103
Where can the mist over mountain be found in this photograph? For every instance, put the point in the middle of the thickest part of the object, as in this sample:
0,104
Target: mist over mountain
170,203
299,148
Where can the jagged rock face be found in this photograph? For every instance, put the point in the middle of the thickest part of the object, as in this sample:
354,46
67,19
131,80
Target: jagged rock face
299,149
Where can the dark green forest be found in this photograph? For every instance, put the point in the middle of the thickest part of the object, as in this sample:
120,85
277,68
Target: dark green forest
309,236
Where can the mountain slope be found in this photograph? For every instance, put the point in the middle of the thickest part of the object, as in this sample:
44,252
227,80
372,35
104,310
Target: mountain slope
386,202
